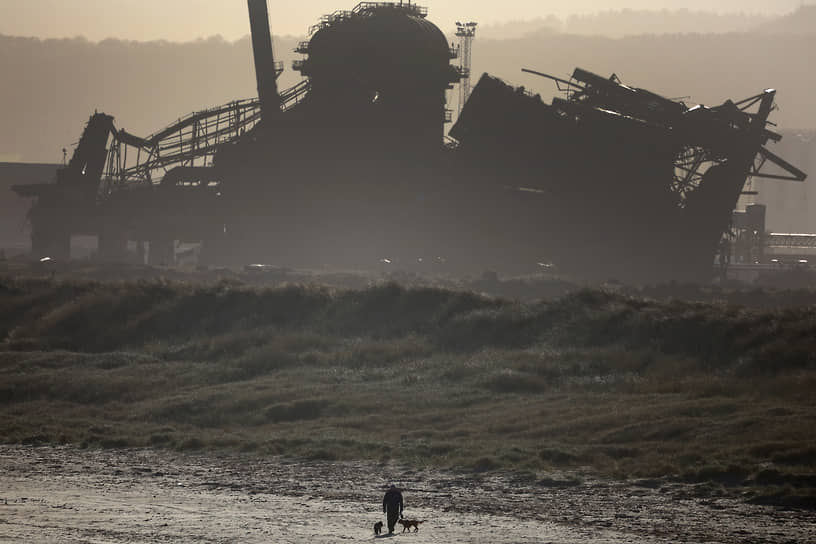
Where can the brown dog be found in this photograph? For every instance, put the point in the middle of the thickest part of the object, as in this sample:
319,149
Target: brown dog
408,523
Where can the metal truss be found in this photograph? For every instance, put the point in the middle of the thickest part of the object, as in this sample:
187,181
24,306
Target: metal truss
733,133
790,240
694,160
689,166
190,142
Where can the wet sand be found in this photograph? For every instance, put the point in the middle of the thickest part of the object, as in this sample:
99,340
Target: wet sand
69,495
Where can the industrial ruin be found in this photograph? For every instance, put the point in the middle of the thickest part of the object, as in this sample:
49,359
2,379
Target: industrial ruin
351,168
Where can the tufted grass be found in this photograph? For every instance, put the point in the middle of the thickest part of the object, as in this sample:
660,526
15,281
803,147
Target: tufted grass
712,394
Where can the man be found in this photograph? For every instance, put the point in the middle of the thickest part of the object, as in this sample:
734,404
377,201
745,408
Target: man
392,507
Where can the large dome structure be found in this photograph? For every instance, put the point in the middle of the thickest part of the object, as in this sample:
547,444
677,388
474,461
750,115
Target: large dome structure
388,65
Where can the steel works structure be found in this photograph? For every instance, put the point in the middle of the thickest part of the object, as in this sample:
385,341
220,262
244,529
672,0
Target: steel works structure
349,169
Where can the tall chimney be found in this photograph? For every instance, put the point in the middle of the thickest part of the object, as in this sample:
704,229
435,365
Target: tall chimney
264,58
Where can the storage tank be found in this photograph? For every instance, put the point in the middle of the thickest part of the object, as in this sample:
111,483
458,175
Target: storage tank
383,68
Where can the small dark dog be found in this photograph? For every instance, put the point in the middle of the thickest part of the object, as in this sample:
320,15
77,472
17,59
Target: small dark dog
408,523
378,527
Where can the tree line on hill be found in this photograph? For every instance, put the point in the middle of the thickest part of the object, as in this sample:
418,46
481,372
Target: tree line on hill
628,22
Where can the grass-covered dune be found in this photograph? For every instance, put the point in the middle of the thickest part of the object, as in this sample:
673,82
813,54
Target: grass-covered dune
721,396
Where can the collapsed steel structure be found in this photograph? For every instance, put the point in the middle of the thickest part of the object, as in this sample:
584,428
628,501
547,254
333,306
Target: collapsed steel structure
349,168
658,177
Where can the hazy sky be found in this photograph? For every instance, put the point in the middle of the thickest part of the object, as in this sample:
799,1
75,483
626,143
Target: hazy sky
183,20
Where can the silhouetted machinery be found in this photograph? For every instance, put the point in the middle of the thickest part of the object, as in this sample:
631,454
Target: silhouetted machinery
652,181
348,168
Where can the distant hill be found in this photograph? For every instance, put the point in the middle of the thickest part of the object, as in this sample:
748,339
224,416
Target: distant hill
802,21
50,87
517,29
628,22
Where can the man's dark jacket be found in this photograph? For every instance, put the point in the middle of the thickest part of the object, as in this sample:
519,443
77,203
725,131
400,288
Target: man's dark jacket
392,502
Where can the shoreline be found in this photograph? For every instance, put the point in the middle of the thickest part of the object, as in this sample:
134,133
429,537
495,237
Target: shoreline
70,495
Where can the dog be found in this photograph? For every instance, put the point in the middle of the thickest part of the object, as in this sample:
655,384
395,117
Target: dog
378,527
408,523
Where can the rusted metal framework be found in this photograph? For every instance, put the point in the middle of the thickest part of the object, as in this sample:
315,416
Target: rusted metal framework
692,163
707,134
191,142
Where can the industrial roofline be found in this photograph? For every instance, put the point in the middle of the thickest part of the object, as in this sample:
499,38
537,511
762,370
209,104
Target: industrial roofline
367,8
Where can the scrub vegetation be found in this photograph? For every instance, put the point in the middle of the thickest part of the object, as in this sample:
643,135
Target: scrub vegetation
593,382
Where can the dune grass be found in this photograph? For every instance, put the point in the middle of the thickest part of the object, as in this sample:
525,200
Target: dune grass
712,394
